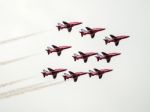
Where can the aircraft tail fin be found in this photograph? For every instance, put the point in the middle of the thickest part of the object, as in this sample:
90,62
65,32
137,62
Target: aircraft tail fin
90,73
75,57
106,40
82,32
65,76
44,73
49,50
99,57
59,26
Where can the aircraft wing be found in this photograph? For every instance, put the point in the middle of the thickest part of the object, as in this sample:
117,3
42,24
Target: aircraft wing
107,57
105,54
85,60
88,28
81,53
68,26
65,23
54,46
100,76
96,70
84,56
50,69
54,75
113,37
108,60
75,79
69,29
59,53
116,43
92,35
99,73
72,73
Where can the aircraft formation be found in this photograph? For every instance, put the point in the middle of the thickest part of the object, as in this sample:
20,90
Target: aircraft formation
82,55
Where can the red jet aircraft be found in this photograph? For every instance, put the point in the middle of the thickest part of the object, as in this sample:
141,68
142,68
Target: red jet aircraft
83,56
115,39
73,75
99,73
52,72
67,25
106,56
90,31
57,49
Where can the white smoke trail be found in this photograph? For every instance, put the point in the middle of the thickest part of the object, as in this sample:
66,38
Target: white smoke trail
31,88
15,82
22,37
17,59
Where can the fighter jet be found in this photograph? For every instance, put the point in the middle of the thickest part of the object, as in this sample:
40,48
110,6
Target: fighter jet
99,73
90,31
83,56
115,39
106,56
67,25
57,49
53,72
73,75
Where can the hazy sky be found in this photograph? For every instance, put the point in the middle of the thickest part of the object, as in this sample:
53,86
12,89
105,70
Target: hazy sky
126,89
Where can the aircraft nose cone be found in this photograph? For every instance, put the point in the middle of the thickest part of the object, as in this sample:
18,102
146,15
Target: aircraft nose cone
100,29
64,69
118,53
79,22
126,36
111,69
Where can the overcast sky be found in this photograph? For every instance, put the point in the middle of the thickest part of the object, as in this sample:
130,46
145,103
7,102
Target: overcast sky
126,89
